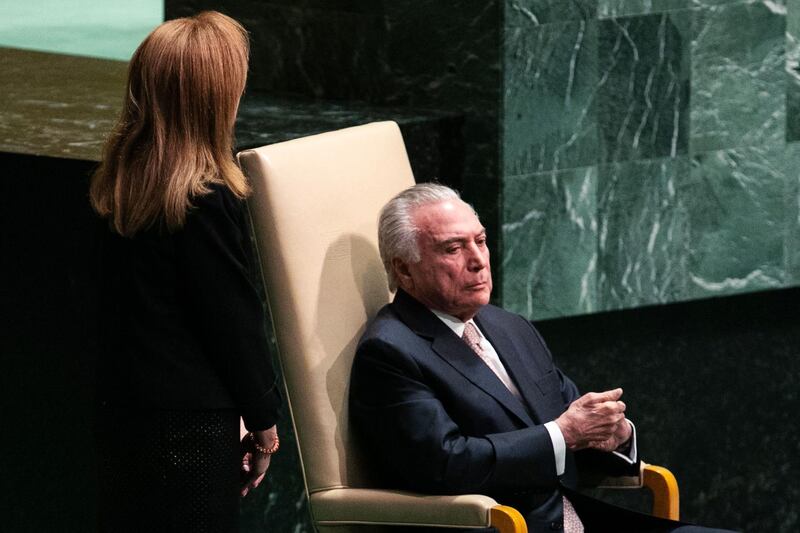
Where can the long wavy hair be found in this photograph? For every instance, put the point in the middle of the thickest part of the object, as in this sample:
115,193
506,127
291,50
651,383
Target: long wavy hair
175,134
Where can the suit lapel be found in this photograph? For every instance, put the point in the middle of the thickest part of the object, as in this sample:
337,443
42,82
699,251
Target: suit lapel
456,353
513,360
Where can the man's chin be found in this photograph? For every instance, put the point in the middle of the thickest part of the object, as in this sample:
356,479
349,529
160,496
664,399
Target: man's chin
485,293
479,299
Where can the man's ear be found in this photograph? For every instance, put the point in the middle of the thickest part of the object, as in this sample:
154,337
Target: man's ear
403,274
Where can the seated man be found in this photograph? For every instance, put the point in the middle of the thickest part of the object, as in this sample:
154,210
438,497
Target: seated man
452,395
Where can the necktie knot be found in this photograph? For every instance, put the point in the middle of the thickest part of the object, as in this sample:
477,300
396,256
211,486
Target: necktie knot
472,338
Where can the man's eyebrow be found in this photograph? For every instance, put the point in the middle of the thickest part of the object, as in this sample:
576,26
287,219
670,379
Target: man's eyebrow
451,240
445,242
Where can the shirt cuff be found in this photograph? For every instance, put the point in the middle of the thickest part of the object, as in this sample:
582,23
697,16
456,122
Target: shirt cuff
631,455
559,446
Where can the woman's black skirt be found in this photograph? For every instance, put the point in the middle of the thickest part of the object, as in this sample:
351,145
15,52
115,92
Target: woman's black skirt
168,470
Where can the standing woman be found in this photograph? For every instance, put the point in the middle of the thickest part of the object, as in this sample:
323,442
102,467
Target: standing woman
184,351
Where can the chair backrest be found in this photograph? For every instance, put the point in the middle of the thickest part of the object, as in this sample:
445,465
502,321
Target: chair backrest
315,209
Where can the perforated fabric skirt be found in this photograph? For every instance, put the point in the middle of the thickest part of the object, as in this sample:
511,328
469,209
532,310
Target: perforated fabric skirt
168,470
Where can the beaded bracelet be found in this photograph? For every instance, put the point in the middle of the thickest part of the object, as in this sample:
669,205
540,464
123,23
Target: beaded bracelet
266,451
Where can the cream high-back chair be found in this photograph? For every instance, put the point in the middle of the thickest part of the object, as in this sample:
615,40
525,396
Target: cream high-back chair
315,208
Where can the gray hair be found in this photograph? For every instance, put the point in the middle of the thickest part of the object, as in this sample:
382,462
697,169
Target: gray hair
397,235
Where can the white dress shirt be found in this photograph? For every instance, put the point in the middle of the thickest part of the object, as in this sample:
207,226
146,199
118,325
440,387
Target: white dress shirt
492,360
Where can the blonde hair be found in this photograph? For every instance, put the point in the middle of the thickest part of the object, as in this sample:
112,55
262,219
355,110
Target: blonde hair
175,134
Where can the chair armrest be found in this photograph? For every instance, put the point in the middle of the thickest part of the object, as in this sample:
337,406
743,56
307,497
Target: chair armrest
619,482
660,481
389,507
664,486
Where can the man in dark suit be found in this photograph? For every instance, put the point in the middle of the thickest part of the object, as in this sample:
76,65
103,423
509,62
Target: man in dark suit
453,395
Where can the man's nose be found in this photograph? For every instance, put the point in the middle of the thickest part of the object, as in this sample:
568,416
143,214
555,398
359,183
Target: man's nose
477,259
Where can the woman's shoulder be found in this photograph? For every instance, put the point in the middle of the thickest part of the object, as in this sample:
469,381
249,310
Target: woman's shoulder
219,200
218,194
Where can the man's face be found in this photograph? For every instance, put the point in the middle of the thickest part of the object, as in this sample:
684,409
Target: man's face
453,274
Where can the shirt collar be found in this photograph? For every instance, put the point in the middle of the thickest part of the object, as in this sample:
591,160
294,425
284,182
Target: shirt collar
455,323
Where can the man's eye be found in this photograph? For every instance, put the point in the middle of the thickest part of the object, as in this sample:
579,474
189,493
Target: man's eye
451,249
481,241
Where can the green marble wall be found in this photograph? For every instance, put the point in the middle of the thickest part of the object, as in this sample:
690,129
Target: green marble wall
650,152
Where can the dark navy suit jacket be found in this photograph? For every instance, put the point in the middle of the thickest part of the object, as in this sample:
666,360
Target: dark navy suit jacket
436,419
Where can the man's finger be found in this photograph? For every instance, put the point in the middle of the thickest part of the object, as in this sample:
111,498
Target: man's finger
599,397
606,445
608,408
599,434
611,395
609,421
607,396
602,432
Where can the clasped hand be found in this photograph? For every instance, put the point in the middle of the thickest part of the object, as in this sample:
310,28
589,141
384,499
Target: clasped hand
255,463
595,420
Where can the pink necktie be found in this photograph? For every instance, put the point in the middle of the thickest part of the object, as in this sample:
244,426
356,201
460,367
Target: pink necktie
472,338
572,523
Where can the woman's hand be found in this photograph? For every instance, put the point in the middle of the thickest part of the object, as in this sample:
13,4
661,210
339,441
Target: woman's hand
254,462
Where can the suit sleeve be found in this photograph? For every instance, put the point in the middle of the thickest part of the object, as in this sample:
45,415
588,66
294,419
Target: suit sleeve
591,463
569,391
227,311
415,441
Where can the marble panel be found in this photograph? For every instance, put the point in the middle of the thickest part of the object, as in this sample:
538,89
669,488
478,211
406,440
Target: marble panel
180,8
444,53
773,4
737,202
624,8
307,50
550,243
267,118
550,82
348,6
536,12
642,243
792,248
481,190
420,52
482,144
738,80
643,104
793,70
435,149
184,8
316,53
433,53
